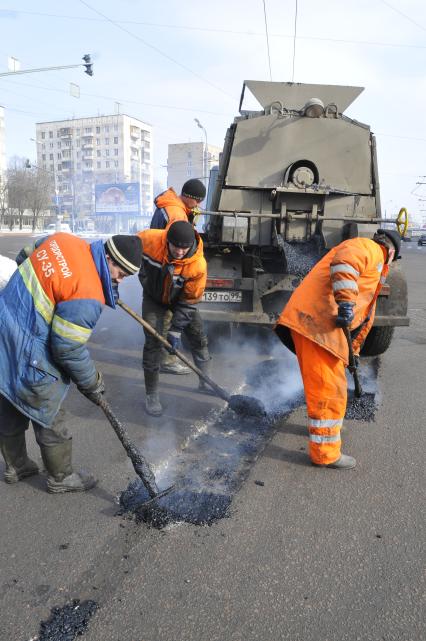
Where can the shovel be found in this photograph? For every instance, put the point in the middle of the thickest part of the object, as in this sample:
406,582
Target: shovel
353,368
241,404
139,462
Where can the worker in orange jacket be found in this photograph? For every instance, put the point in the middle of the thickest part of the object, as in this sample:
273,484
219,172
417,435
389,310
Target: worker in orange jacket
340,291
173,276
169,208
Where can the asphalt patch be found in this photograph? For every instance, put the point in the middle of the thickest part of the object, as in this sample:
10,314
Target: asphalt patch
68,622
362,409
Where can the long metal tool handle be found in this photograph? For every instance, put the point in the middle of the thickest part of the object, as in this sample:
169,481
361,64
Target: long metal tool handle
139,462
352,363
219,390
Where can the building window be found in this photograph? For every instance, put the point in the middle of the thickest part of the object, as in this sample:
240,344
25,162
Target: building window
115,152
106,152
58,144
106,129
68,143
77,142
98,130
59,156
98,153
51,145
115,140
189,154
43,135
88,130
50,134
78,154
115,127
43,157
107,141
44,166
99,165
107,164
78,132
115,163
59,167
98,141
50,156
52,167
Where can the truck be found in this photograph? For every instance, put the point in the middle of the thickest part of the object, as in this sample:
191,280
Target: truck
295,178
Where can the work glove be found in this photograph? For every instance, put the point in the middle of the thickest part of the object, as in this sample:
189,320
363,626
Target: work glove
96,391
345,314
174,339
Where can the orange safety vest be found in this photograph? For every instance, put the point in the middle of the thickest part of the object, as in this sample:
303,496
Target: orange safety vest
169,209
354,270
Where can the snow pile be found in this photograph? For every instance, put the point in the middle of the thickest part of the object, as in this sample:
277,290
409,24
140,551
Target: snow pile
7,267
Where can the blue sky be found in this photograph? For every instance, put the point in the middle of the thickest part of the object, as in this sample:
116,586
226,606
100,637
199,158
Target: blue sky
169,62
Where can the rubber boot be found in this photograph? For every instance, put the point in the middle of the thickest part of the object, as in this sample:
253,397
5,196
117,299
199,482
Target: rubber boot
344,462
172,365
152,400
18,465
205,367
61,478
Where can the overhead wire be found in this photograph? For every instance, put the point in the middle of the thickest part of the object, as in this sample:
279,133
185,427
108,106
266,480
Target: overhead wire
294,40
267,40
159,51
404,15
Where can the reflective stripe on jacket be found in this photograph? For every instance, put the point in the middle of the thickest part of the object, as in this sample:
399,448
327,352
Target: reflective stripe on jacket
169,209
178,284
352,271
47,313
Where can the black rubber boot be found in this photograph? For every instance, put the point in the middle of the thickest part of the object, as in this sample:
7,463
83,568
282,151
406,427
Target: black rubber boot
205,367
152,401
57,459
18,465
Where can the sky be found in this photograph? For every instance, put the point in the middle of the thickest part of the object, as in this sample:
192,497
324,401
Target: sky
169,62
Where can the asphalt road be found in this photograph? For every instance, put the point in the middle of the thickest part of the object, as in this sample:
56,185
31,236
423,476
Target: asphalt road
310,555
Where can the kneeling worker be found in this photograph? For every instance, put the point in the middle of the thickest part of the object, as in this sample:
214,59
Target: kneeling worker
48,310
173,276
340,291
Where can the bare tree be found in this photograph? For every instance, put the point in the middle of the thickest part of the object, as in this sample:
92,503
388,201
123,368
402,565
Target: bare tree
17,188
4,207
39,184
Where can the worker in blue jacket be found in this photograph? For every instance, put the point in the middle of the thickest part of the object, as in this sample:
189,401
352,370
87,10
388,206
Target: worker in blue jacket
47,313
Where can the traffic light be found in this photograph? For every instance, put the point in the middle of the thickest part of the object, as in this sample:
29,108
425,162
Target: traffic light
88,64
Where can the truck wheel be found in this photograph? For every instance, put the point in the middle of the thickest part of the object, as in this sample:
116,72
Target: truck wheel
377,341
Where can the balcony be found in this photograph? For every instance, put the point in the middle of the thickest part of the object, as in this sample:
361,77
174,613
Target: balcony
135,132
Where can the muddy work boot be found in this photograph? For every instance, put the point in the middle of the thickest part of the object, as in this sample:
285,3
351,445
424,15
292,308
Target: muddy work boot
61,478
344,462
172,365
205,367
152,400
18,465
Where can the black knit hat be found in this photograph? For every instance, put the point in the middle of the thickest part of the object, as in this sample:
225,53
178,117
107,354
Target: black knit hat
195,189
384,234
126,251
181,234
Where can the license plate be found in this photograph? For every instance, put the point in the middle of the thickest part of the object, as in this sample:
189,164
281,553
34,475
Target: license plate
223,296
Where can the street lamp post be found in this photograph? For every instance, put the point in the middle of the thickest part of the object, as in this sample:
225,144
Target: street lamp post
205,156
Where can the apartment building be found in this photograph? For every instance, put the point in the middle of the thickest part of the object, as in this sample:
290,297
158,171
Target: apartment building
84,152
190,160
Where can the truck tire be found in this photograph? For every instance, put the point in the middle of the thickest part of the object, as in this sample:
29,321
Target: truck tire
377,341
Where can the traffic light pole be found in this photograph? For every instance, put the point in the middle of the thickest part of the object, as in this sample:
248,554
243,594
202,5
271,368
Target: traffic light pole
87,63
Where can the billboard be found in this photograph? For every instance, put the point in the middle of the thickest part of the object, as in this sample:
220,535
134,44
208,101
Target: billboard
117,198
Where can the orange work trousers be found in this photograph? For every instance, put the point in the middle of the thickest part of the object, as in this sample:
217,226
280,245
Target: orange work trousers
324,382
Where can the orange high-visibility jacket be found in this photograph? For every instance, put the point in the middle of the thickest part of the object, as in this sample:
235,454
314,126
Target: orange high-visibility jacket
179,284
169,209
353,271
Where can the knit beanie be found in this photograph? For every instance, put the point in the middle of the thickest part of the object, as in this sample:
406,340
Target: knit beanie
126,251
181,234
382,235
195,189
